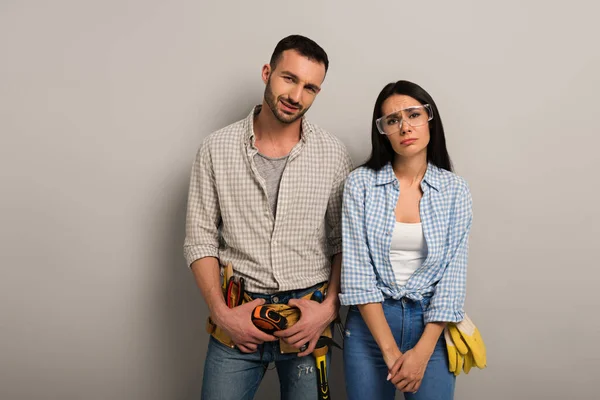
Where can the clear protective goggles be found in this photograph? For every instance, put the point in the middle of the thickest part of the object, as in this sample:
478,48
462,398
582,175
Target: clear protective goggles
413,116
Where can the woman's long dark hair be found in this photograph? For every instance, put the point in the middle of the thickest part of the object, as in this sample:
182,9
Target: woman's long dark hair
382,151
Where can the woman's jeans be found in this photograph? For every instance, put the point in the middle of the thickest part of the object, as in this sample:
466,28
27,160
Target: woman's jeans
364,368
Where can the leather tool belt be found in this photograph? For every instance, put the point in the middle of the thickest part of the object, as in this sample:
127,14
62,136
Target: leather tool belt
235,296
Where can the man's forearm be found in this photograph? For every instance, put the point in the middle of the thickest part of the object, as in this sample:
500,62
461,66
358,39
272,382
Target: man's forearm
208,278
333,289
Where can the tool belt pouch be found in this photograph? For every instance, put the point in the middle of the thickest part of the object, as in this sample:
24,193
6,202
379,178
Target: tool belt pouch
218,334
211,327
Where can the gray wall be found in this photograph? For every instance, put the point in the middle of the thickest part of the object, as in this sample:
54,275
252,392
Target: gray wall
104,103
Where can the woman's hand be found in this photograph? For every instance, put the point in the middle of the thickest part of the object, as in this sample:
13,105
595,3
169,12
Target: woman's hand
408,370
391,356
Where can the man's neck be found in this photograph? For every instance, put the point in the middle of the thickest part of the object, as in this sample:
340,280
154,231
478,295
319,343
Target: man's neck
274,138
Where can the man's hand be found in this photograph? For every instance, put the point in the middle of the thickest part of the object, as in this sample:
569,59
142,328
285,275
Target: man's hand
408,370
314,318
237,323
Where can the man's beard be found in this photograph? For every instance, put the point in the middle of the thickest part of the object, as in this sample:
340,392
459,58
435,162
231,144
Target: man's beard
281,117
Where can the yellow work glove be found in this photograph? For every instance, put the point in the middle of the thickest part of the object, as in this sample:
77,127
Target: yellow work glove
467,339
460,345
468,362
455,359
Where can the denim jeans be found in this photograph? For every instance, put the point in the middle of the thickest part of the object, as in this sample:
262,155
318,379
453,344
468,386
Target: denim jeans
230,374
364,368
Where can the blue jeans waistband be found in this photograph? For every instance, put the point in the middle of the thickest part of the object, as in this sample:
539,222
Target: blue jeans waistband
406,302
284,297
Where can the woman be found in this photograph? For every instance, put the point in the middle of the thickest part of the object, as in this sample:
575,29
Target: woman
406,221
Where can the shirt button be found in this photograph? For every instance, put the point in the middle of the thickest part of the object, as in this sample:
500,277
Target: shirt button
275,299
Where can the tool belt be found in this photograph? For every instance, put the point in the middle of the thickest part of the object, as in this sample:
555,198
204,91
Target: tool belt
234,295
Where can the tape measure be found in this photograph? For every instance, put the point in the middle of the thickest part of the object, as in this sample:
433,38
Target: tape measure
271,318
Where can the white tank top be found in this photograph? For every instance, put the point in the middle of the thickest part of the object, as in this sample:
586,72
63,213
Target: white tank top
408,250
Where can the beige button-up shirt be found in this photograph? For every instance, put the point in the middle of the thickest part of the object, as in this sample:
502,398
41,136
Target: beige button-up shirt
228,213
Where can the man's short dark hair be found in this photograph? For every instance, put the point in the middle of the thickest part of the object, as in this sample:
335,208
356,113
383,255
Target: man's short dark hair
303,45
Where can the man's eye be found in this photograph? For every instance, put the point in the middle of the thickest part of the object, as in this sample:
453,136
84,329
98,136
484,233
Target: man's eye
312,90
287,78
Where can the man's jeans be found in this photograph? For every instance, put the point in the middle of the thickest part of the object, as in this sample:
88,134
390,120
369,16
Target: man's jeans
364,368
230,374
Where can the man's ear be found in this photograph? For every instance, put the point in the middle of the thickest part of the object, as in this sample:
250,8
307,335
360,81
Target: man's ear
266,72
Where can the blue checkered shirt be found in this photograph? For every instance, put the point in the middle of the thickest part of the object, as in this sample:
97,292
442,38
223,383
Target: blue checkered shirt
368,220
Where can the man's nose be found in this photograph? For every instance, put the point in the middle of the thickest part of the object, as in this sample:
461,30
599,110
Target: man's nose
296,94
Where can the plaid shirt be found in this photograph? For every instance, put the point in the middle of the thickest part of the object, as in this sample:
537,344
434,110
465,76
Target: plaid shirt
228,214
368,220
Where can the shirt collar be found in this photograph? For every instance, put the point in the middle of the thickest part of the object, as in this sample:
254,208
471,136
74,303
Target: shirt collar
386,175
249,137
432,176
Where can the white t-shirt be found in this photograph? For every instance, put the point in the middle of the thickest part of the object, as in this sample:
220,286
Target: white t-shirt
408,250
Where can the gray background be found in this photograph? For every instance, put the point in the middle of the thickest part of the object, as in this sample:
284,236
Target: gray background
104,103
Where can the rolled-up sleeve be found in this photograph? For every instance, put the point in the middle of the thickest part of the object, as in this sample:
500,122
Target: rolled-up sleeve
358,281
334,205
448,300
203,213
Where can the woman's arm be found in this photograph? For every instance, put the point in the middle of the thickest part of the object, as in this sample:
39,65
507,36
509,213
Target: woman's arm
373,316
448,299
412,363
408,370
358,279
429,338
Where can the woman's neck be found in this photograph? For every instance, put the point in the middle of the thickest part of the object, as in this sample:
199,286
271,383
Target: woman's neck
410,170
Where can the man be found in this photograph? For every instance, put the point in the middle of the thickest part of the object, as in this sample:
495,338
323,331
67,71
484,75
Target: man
265,195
